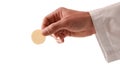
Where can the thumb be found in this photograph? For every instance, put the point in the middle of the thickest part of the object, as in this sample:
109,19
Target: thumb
52,28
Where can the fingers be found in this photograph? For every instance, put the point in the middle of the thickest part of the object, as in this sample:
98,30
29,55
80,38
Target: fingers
58,38
53,28
52,17
49,19
60,35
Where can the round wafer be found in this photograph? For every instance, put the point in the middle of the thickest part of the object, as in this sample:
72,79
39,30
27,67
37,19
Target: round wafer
37,37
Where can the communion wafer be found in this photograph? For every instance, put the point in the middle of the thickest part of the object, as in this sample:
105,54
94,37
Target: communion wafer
37,37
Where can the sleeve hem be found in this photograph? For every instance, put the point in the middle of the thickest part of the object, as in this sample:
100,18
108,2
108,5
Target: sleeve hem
101,35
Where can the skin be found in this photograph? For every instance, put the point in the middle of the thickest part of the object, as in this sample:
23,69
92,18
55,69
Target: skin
65,22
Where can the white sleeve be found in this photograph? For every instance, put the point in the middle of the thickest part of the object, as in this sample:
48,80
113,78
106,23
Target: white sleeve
107,25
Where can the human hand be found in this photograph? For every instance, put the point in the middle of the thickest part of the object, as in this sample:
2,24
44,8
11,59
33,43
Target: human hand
66,22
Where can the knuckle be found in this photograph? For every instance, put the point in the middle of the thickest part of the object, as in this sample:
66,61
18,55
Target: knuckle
60,8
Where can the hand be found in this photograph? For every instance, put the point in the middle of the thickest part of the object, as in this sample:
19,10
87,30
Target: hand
66,22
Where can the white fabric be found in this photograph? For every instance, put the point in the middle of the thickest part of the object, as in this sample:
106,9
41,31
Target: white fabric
107,25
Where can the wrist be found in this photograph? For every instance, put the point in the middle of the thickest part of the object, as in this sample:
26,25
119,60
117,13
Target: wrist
91,25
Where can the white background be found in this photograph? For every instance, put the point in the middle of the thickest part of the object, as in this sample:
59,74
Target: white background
78,59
